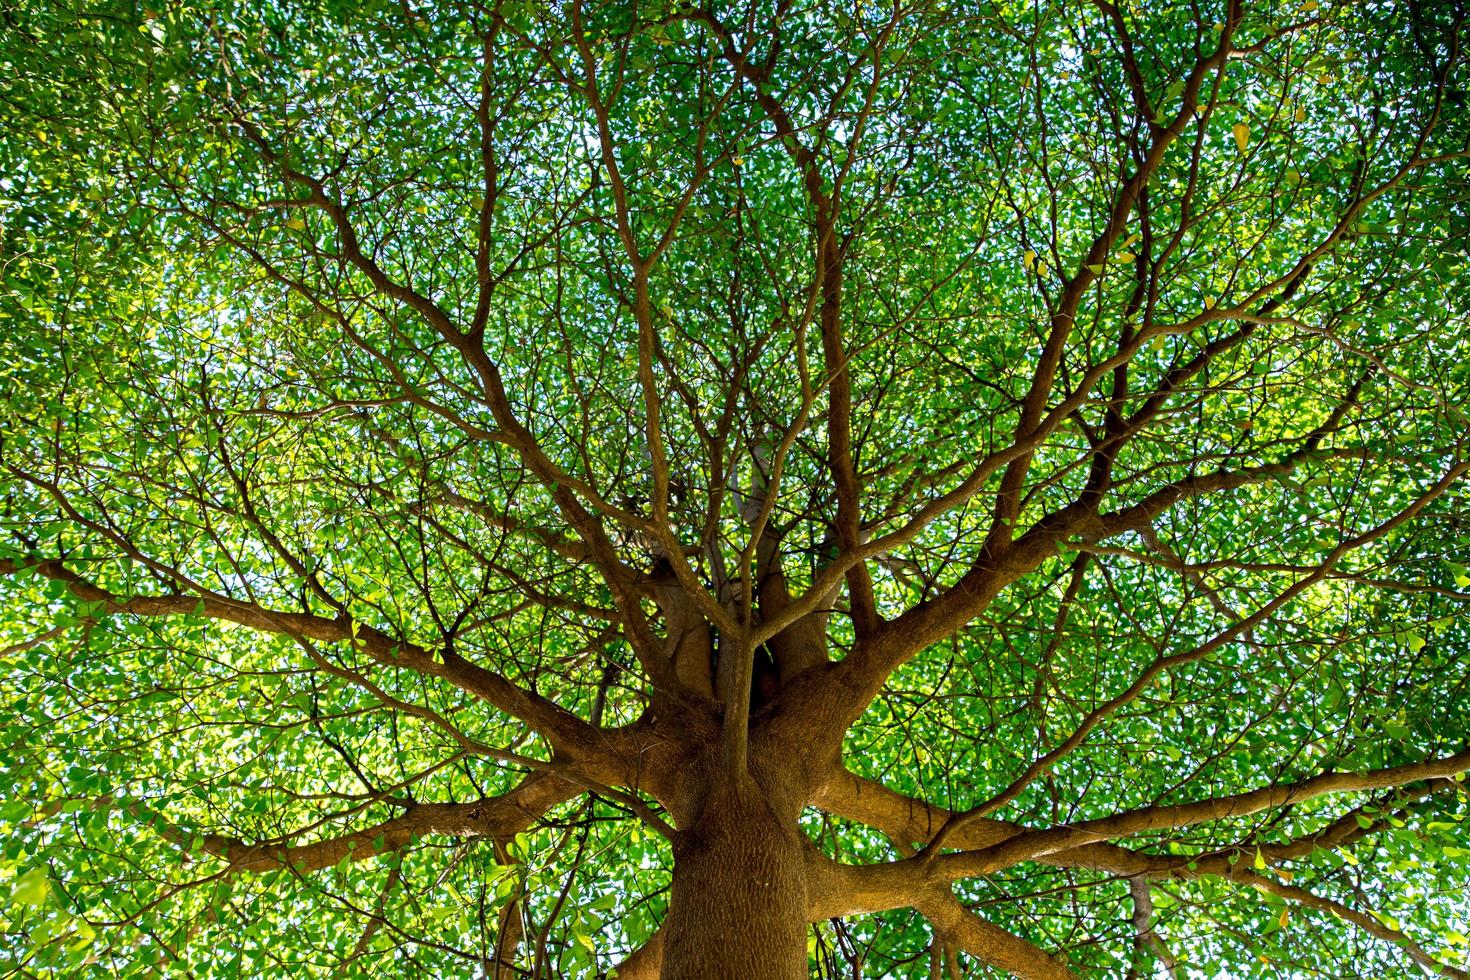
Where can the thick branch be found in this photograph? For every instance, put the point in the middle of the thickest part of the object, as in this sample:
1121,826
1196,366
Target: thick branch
1038,843
645,962
496,817
1169,661
912,821
562,728
1145,935
989,942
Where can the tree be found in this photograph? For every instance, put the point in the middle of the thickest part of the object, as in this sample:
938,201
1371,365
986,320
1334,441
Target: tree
936,488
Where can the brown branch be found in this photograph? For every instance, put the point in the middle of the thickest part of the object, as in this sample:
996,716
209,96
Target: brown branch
931,621
1145,935
494,817
568,492
838,889
1039,843
835,889
646,962
490,180
41,638
1169,661
988,942
901,818
906,821
852,686
1366,922
562,728
1064,318
829,280
1092,528
566,546
510,925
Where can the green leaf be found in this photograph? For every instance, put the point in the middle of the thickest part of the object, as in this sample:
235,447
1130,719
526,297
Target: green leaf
31,888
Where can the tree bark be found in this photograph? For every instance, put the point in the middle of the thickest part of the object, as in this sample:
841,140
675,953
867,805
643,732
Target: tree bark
737,907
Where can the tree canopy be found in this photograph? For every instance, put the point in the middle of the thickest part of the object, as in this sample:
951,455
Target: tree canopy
929,488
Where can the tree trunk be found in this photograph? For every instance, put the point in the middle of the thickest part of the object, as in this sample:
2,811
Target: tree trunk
737,908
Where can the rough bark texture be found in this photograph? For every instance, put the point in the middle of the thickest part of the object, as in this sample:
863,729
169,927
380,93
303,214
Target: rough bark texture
738,903
991,944
645,962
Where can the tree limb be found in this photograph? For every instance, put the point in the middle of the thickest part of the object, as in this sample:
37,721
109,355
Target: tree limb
987,941
562,728
494,817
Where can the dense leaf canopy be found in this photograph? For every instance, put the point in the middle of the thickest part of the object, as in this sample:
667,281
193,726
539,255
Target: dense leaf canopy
432,431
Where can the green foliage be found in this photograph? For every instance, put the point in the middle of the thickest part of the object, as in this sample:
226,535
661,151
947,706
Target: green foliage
211,395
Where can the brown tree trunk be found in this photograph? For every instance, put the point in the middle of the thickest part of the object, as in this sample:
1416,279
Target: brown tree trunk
737,908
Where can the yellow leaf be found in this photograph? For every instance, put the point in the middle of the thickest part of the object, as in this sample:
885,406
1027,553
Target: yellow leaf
1260,860
1285,918
295,224
1242,135
1041,269
1301,113
1029,260
1210,302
